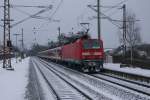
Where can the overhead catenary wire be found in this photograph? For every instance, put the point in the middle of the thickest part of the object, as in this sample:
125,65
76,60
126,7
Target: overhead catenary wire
55,11
117,5
109,8
26,6
57,8
37,17
113,12
39,12
28,14
106,17
111,20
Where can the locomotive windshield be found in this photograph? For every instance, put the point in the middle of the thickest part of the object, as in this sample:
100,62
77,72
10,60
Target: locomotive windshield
91,44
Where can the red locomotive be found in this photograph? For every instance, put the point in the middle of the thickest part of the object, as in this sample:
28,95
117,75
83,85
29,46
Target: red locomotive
85,54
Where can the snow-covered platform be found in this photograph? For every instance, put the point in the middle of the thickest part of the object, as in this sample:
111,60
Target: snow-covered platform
13,83
129,70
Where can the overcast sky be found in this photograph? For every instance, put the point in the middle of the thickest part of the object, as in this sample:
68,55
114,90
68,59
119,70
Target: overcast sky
71,13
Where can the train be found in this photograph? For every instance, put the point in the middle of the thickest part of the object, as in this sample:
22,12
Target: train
85,54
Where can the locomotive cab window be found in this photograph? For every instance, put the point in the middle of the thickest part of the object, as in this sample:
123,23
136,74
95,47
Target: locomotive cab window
91,44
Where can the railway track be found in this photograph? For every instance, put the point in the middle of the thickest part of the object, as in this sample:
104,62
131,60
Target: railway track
131,76
96,82
82,88
135,86
127,80
130,84
61,88
47,81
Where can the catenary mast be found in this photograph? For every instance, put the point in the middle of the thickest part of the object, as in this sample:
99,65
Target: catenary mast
7,42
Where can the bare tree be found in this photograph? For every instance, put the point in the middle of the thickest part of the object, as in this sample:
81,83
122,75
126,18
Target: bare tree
133,36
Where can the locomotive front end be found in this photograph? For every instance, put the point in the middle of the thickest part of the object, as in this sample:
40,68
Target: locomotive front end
92,55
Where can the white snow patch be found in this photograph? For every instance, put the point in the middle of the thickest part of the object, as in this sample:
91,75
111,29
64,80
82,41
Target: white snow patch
130,70
13,83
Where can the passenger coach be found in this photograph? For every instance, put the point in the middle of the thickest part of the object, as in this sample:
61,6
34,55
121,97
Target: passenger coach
84,54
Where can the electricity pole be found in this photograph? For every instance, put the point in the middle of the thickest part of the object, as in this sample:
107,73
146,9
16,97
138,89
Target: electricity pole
22,43
98,19
59,35
35,42
7,42
124,29
16,35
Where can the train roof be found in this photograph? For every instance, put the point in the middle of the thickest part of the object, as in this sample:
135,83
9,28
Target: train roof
56,48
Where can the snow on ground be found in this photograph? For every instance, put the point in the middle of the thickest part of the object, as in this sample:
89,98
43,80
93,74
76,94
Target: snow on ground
13,83
135,71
